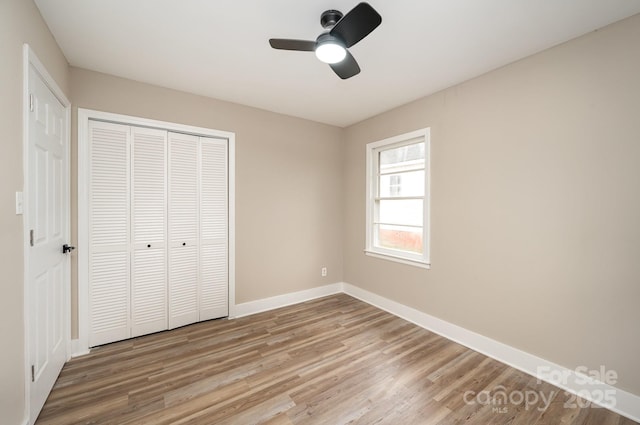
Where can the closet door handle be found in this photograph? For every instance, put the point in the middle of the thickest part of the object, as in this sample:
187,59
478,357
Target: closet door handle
148,245
184,243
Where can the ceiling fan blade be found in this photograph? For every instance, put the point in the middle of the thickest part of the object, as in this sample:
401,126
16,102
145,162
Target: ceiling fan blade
346,68
288,44
357,24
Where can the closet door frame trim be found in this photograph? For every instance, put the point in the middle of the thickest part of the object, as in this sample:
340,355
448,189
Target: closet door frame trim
81,345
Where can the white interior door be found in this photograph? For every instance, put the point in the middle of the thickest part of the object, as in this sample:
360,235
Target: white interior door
47,220
183,229
214,228
149,231
109,232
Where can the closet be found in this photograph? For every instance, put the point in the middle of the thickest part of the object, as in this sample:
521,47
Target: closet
158,230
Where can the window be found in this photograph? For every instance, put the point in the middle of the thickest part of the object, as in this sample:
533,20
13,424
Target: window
398,198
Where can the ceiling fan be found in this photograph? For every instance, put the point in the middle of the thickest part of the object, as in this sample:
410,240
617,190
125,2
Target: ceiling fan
341,33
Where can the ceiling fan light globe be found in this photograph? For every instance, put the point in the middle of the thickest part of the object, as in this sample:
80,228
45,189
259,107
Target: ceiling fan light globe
330,52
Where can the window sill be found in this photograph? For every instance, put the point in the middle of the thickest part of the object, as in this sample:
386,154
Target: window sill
396,259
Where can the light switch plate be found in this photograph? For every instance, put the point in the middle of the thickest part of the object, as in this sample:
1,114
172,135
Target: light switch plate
19,203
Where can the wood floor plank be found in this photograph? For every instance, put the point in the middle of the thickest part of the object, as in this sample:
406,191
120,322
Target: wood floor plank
333,360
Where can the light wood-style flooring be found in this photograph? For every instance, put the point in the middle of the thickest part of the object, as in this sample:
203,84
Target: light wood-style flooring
334,360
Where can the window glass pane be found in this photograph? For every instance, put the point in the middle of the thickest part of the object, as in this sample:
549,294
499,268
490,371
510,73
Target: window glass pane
404,158
405,211
399,237
403,184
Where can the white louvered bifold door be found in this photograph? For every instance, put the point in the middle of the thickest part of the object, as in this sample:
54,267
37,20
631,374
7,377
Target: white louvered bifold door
214,224
149,229
109,237
183,229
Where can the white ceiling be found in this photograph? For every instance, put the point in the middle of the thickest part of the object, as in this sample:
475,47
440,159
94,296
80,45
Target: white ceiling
220,49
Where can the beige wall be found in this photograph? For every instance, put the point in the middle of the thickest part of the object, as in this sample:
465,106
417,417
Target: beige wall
288,181
536,204
20,22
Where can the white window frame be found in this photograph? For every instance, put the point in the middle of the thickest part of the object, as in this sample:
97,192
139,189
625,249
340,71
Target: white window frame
418,260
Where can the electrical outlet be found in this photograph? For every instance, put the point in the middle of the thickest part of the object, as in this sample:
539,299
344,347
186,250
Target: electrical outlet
323,271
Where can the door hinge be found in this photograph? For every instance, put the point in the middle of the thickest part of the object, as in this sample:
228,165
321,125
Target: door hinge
30,102
31,237
33,373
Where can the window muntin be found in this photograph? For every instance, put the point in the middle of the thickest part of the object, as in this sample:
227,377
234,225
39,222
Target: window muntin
397,204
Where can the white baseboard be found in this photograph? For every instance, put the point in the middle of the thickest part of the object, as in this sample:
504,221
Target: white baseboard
78,348
622,402
266,304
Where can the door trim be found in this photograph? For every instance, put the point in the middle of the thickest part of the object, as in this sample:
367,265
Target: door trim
30,59
81,345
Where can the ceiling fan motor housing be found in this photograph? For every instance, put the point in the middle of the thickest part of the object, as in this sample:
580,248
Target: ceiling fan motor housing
329,18
328,38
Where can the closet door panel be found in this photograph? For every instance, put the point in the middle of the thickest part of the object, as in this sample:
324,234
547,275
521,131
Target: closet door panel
148,292
149,224
183,229
183,287
109,297
158,230
149,186
183,187
214,297
109,237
